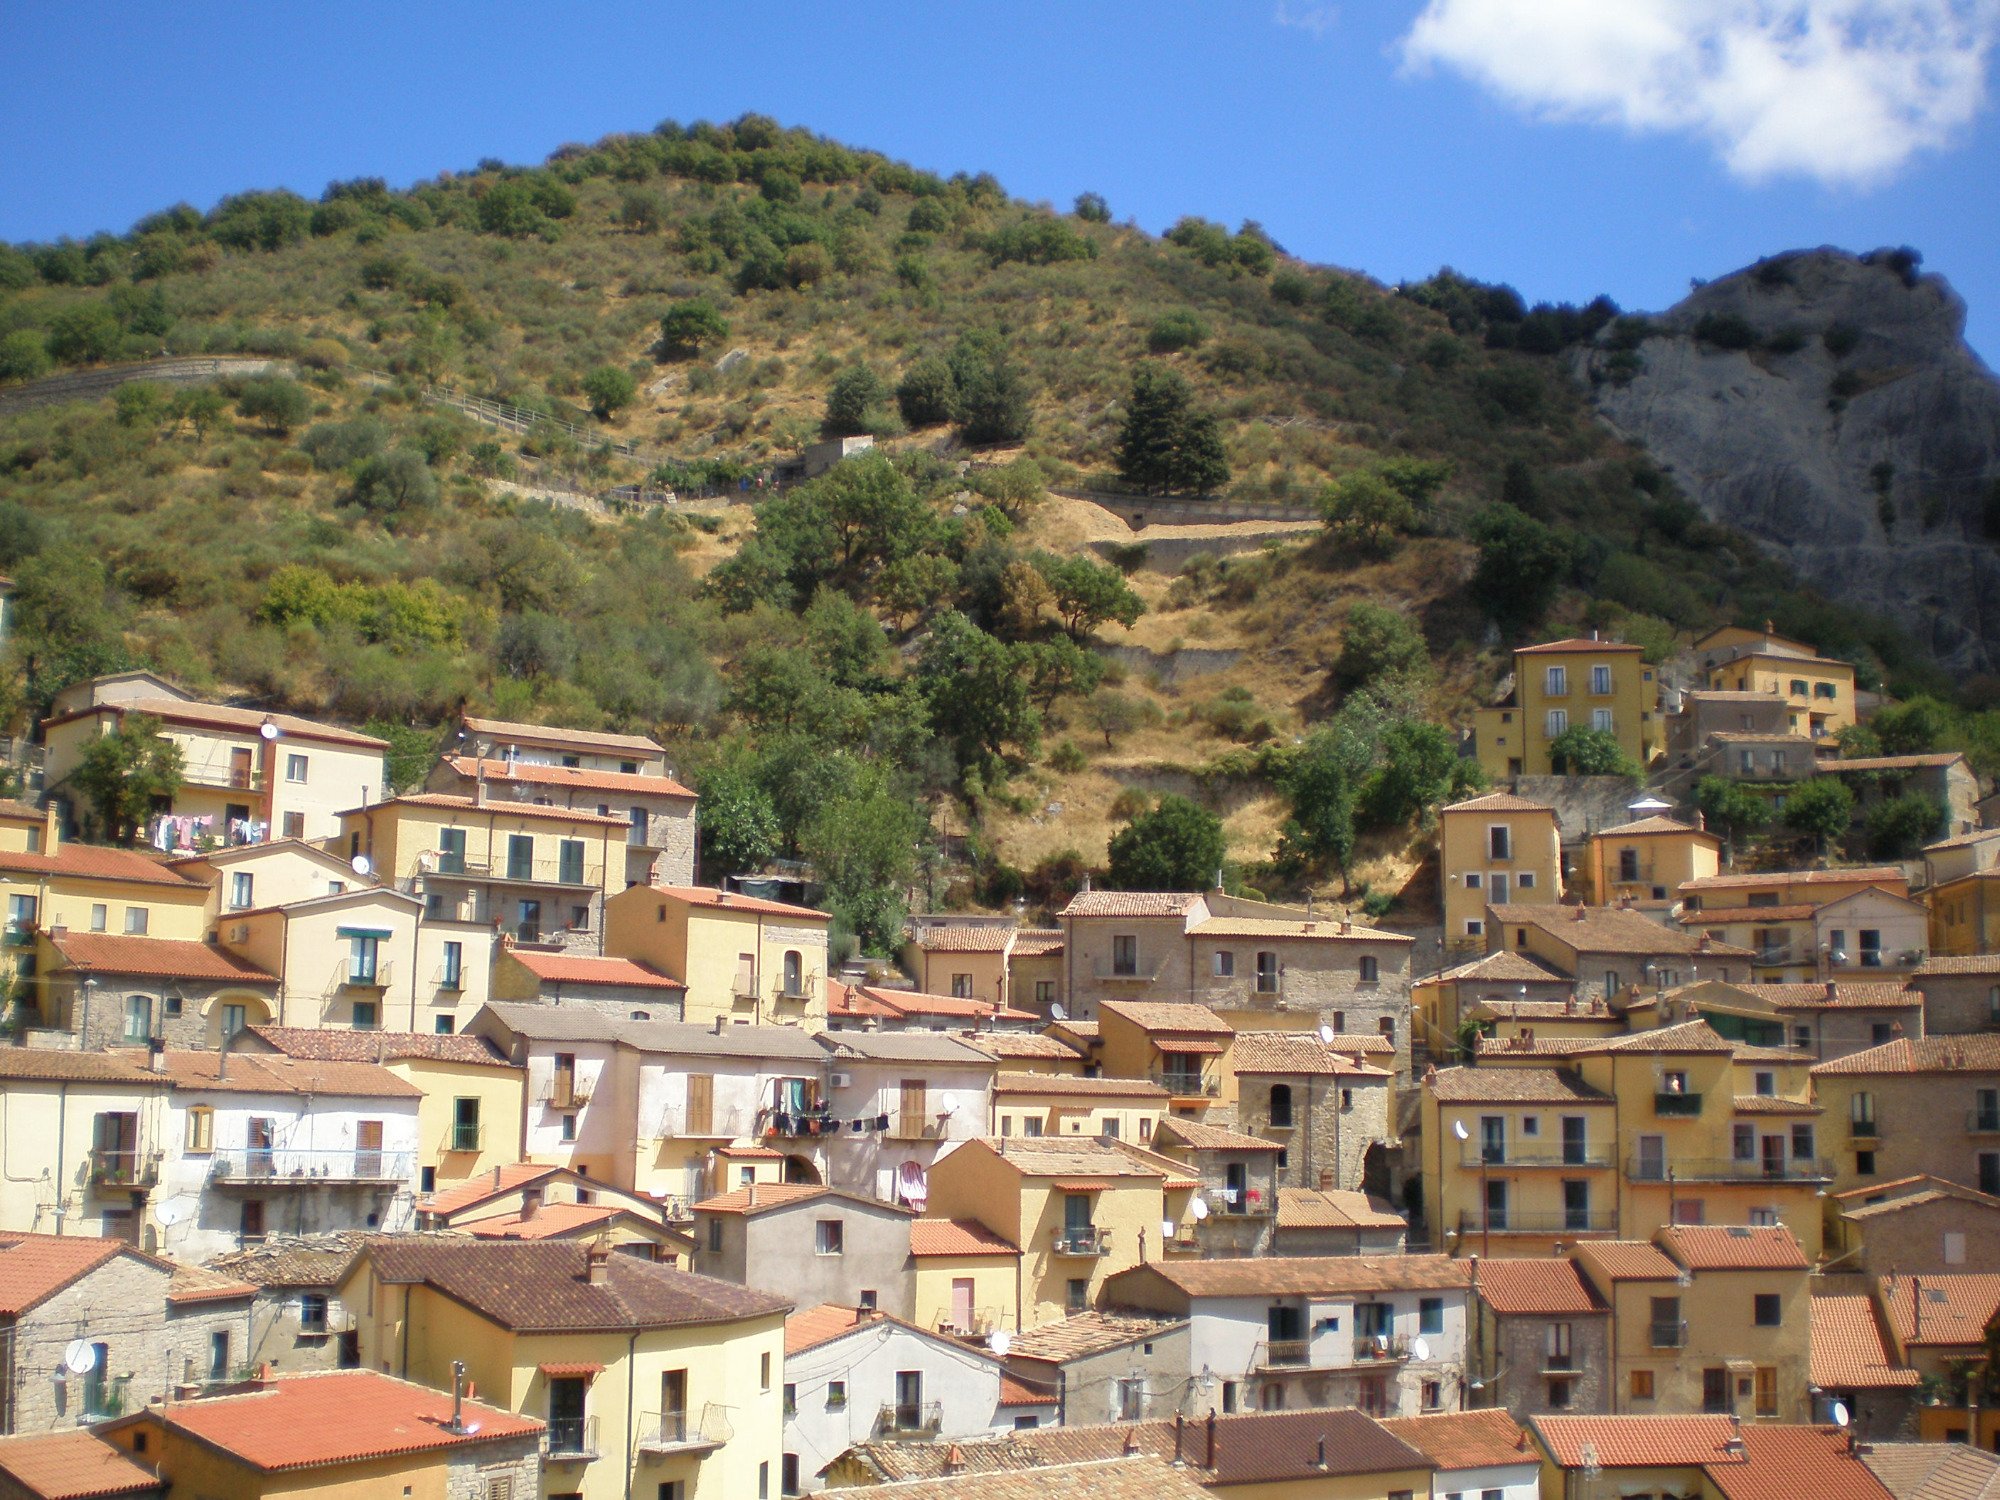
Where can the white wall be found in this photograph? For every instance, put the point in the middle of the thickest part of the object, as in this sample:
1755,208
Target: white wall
869,1161
1227,1332
1513,1481
599,1129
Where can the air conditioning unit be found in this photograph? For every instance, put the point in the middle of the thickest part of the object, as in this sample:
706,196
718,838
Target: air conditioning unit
840,1080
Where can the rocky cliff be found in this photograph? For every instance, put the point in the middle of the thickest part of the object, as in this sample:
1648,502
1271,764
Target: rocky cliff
1828,405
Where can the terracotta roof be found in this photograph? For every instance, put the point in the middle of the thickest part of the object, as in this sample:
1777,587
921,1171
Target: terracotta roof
1624,1260
1520,1044
1537,1286
551,1221
1087,1333
1935,1471
1514,1085
1498,802
334,1417
1848,1350
95,862
1069,1086
1688,1037
1023,1044
319,1260
1609,929
1974,1053
1543,1010
952,937
1724,916
1037,942
332,1044
1771,1104
1298,1053
900,1004
1893,762
761,1197
712,899
1637,1442
229,720
73,1465
192,1284
49,1065
12,808
1131,904
508,808
1838,993
487,1185
161,958
1074,1156
1970,963
1139,1477
1734,1247
37,1266
1505,967
254,1073
1200,1137
529,773
1577,643
1952,1309
1016,1392
1150,1015
539,1286
1333,1208
949,1237
913,1046
1642,826
1489,1439
1784,1460
1303,1275
555,733
1958,841
822,1325
1319,929
578,968
1878,1200
1861,874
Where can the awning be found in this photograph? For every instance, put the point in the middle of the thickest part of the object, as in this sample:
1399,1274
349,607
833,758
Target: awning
355,932
1084,1187
1173,1045
571,1371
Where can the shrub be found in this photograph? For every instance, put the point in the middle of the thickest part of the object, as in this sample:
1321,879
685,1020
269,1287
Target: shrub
1038,240
279,404
24,355
690,326
854,403
927,395
84,334
1176,330
928,216
1379,643
1067,758
1292,288
1092,209
392,485
1178,846
1899,827
339,445
609,390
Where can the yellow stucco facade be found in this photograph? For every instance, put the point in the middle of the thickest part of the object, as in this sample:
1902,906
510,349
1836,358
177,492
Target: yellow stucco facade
994,1296
1818,693
741,958
49,1108
1647,861
1494,849
1564,685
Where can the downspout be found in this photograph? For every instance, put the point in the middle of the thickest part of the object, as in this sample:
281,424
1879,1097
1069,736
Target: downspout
631,1406
405,1371
62,1127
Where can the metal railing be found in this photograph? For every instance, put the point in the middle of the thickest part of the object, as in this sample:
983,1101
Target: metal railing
1676,1105
465,1137
1730,1169
250,1166
925,1418
681,1431
1982,1122
1669,1335
744,986
375,976
1864,1130
1186,1085
1234,1203
1514,1155
569,1093
571,1439
1138,974
1287,1352
1089,1240
912,1128
1545,1221
520,871
803,988
115,1168
1380,1346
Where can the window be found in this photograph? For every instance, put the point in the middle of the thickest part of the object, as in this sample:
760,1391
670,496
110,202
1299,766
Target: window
1600,680
465,1123
1131,1399
454,966
1125,955
135,921
791,1400
1555,681
788,1469
1668,1332
1576,1204
364,950
1371,971
295,769
1600,720
1763,1218
241,884
294,825
1642,1385
1525,880
100,914
1222,965
867,1301
828,1236
1387,1026
569,861
1766,1309
1228,1398
764,1477
1989,1172
312,1313
250,1219
1473,881
1474,927
200,1128
367,1015
1743,1141
1281,1104
1430,1315
1272,1397
138,1018
1715,1390
1500,841
1557,1347
961,986
1045,993
1267,973
1765,1085
1954,1247
1079,1295
1986,1109
234,1019
1864,1163
1687,1211
714,1235
836,1395
1557,724
1803,1143
764,1371
1431,1393
1799,687
569,1127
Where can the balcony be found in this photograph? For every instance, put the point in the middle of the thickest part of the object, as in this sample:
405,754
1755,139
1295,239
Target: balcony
124,1169
1670,1335
1866,1131
901,1419
374,978
465,1138
1090,1240
1372,1348
1727,1169
1279,1352
1561,1221
1516,1155
1671,1105
551,872
744,986
567,1093
1782,953
252,1169
1187,1085
1243,1202
816,1122
662,1434
912,1128
570,1440
796,991
18,936
1982,1122
228,778
1118,974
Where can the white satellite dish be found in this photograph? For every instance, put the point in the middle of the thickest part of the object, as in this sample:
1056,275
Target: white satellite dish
1198,1209
1326,1033
950,1108
1458,1129
1840,1413
1420,1349
1000,1342
268,730
168,1215
80,1358
361,865
1058,1010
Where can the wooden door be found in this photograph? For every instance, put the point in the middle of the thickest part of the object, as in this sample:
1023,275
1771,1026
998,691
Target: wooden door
239,767
701,1104
368,1149
911,1108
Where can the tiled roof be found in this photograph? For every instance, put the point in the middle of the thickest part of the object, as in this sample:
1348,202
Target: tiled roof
1637,1442
162,958
1771,1104
1520,1044
191,1284
1054,1156
1489,1439
1005,1044
1498,802
486,1186
1689,1036
1935,1471
583,1023
905,1046
1957,841
1151,1015
1974,1053
505,729
37,1266
251,1073
1723,916
1037,942
94,862
552,1221
1297,1053
1546,1286
530,773
1967,963
1878,1200
1139,1477
1319,929
1303,1275
1087,1333
73,1465
1735,1247
952,1237
1576,643
1131,904
12,808
331,1044
1333,1208
1070,1087
881,1001
49,1065
1608,929
506,807
229,720
957,937
1625,1260
1894,762
541,1286
1782,1460
1848,1350
821,1325
1652,825
334,1417
1838,993
1514,1085
1200,1137
1505,967
319,1260
1017,1392
1543,1010
1951,1309
757,1198
579,968
1701,885
714,900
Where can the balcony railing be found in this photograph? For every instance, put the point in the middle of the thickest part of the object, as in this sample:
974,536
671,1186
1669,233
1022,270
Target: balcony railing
1982,1122
567,1093
922,1419
684,1432
1243,1202
227,777
571,1440
1517,1155
814,1122
1381,1346
1089,1240
797,990
1669,1335
125,1169
912,1127
465,1138
521,872
250,1167
18,936
1114,973
1186,1085
1864,1130
1728,1169
1288,1352
1557,1221
1780,953
374,977
1669,1104
744,986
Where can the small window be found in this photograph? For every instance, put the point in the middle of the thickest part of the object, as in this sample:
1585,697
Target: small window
100,914
867,1301
1500,841
764,1372
1281,1104
1642,1385
1555,681
1525,879
367,1015
1222,965
1600,720
714,1235
200,1128
1767,1310
1600,680
1557,724
1124,955
1079,1295
294,825
961,986
295,769
1430,1315
241,885
828,1236
569,1127
312,1313
1371,969
136,921
836,1395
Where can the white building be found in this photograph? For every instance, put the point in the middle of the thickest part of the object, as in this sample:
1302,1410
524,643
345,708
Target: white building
266,1145
853,1376
931,1091
1480,1455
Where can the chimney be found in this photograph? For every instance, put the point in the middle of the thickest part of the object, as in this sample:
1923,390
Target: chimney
457,1424
1916,1309
156,1053
479,786
531,1203
1180,1424
51,829
753,1192
1131,1441
720,1022
264,1373
1211,1441
597,1264
1346,927
1319,1460
954,1460
496,1176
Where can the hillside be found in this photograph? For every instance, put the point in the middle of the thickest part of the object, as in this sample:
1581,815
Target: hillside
870,672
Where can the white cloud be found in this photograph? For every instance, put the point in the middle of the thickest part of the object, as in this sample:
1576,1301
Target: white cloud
1301,15
1841,90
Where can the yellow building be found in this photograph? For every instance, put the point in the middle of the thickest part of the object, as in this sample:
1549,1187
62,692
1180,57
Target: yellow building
1606,949
1493,850
537,873
1565,685
742,958
332,1435
1648,860
968,1279
645,1376
1037,1105
1442,1003
1965,915
986,958
250,774
1790,887
66,1172
1183,1048
1818,692
1078,1212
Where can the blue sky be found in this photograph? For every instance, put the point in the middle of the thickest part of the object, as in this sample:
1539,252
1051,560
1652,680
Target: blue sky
1612,153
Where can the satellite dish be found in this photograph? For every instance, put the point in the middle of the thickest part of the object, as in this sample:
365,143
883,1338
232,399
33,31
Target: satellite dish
80,1358
1838,956
1458,1129
950,1108
268,730
168,1215
1325,1034
361,865
1420,1349
1198,1210
1001,1342
1058,1010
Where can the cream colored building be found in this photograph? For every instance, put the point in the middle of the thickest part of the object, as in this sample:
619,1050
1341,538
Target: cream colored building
1495,849
82,1135
658,811
742,958
1818,692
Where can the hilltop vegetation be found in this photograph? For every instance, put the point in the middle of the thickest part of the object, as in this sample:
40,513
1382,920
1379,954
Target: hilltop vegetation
905,660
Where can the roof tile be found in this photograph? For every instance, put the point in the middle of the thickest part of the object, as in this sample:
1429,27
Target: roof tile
1848,1350
163,958
73,1465
1538,1286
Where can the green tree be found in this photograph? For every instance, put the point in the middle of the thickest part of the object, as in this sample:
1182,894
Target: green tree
864,846
737,821
433,348
641,210
992,405
201,407
508,208
124,773
1420,770
281,405
1179,329
1086,593
1092,209
1363,508
1057,669
853,403
1113,713
1015,488
1164,444
24,355
64,627
689,327
977,694
1822,809
1522,564
1325,785
84,334
609,390
412,752
1379,643
1731,807
1914,727
1177,846
1899,826
1583,751
393,485
927,395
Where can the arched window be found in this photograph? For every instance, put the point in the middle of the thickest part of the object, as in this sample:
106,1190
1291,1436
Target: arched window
1281,1104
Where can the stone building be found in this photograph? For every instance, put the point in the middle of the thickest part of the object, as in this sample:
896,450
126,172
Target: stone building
1330,1112
1105,1366
1960,994
1541,1338
1920,1225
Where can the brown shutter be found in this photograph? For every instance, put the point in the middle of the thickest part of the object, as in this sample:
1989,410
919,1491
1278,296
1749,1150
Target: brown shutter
701,1103
912,1110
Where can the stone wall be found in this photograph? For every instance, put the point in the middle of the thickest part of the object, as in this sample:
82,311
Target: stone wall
1958,1003
471,1474
1327,1143
1518,1349
673,831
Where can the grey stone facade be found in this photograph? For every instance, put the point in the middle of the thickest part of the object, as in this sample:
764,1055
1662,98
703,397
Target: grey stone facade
1955,1004
1516,1354
182,1011
778,1250
510,1465
1150,1370
1335,1120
